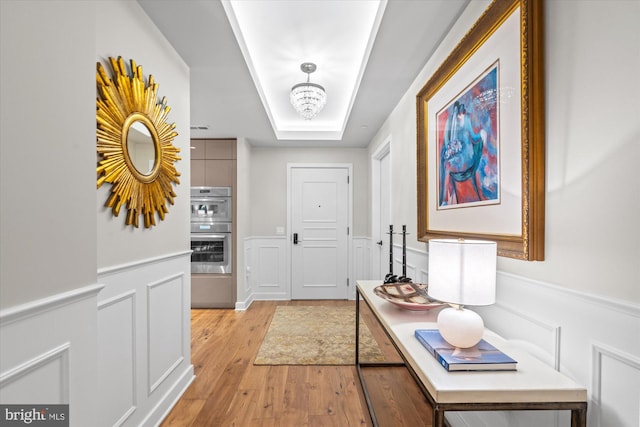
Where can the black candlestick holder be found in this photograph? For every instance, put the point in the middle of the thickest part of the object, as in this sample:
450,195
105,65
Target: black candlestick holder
390,277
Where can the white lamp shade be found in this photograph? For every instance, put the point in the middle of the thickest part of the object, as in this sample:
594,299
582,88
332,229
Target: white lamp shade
462,271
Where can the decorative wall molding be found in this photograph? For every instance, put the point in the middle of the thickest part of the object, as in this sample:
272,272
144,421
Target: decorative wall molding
37,307
142,262
56,356
416,263
169,399
116,369
149,323
623,307
559,325
267,268
360,265
604,390
543,338
48,352
168,305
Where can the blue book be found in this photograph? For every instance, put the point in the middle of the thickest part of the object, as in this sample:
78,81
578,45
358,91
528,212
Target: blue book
481,357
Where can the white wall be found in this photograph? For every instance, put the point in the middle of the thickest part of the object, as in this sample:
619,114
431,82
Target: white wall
266,270
592,236
123,29
47,143
58,326
47,219
593,129
144,331
567,307
269,184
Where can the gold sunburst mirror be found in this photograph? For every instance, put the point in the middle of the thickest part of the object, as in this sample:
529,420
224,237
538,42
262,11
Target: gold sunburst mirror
134,142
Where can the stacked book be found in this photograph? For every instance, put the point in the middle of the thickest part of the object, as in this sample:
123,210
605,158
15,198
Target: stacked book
481,357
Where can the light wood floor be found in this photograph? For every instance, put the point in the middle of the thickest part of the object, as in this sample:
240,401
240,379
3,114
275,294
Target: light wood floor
230,391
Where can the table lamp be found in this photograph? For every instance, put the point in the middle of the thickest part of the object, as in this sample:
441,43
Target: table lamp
462,272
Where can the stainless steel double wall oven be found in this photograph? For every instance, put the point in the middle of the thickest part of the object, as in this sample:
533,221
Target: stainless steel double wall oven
211,227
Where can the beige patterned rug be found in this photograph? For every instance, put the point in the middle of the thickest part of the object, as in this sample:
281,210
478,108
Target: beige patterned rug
316,335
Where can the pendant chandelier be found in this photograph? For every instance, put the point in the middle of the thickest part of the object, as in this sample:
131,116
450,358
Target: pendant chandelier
308,98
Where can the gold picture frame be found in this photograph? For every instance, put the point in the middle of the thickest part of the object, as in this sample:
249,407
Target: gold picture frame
124,104
509,37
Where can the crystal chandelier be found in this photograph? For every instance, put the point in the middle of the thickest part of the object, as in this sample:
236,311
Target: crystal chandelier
308,98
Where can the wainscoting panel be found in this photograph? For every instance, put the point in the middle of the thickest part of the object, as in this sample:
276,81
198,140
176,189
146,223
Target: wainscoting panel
165,333
248,277
591,339
48,352
145,331
267,268
416,264
50,369
574,333
270,258
361,250
615,403
542,340
117,357
571,331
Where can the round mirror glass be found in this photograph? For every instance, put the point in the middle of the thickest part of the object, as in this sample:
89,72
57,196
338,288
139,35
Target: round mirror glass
141,147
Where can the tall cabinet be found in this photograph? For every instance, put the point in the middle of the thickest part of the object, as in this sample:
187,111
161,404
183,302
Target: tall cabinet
213,164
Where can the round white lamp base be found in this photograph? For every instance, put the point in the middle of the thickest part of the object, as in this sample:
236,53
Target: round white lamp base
460,327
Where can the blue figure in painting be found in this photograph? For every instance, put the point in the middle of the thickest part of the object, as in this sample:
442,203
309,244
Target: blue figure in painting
460,155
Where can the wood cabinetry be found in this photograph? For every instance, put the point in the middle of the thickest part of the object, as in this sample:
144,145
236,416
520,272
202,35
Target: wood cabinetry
197,149
202,295
212,173
220,149
213,162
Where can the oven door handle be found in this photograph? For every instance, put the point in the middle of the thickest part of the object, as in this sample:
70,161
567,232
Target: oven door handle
209,200
202,236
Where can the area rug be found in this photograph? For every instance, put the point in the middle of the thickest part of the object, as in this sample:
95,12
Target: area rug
316,335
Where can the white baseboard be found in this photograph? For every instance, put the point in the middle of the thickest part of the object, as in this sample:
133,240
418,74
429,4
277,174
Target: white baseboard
243,305
168,401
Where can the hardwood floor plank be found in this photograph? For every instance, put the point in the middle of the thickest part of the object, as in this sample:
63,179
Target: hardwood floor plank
229,390
270,400
296,397
184,417
242,410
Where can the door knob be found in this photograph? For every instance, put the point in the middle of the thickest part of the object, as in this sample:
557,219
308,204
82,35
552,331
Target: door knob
379,243
295,238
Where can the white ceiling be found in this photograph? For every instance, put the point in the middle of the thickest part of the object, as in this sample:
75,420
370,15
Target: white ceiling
277,36
234,99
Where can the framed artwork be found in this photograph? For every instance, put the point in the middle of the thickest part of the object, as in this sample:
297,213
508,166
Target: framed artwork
480,128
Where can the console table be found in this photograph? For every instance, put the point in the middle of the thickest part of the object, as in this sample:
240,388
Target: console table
534,386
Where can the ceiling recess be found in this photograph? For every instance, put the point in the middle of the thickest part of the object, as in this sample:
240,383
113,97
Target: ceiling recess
275,37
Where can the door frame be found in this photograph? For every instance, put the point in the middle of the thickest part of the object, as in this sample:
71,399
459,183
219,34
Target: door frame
289,232
376,159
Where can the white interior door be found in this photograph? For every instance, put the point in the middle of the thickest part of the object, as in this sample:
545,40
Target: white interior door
382,204
319,226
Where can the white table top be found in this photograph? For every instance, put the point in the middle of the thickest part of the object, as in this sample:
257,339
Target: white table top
534,381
